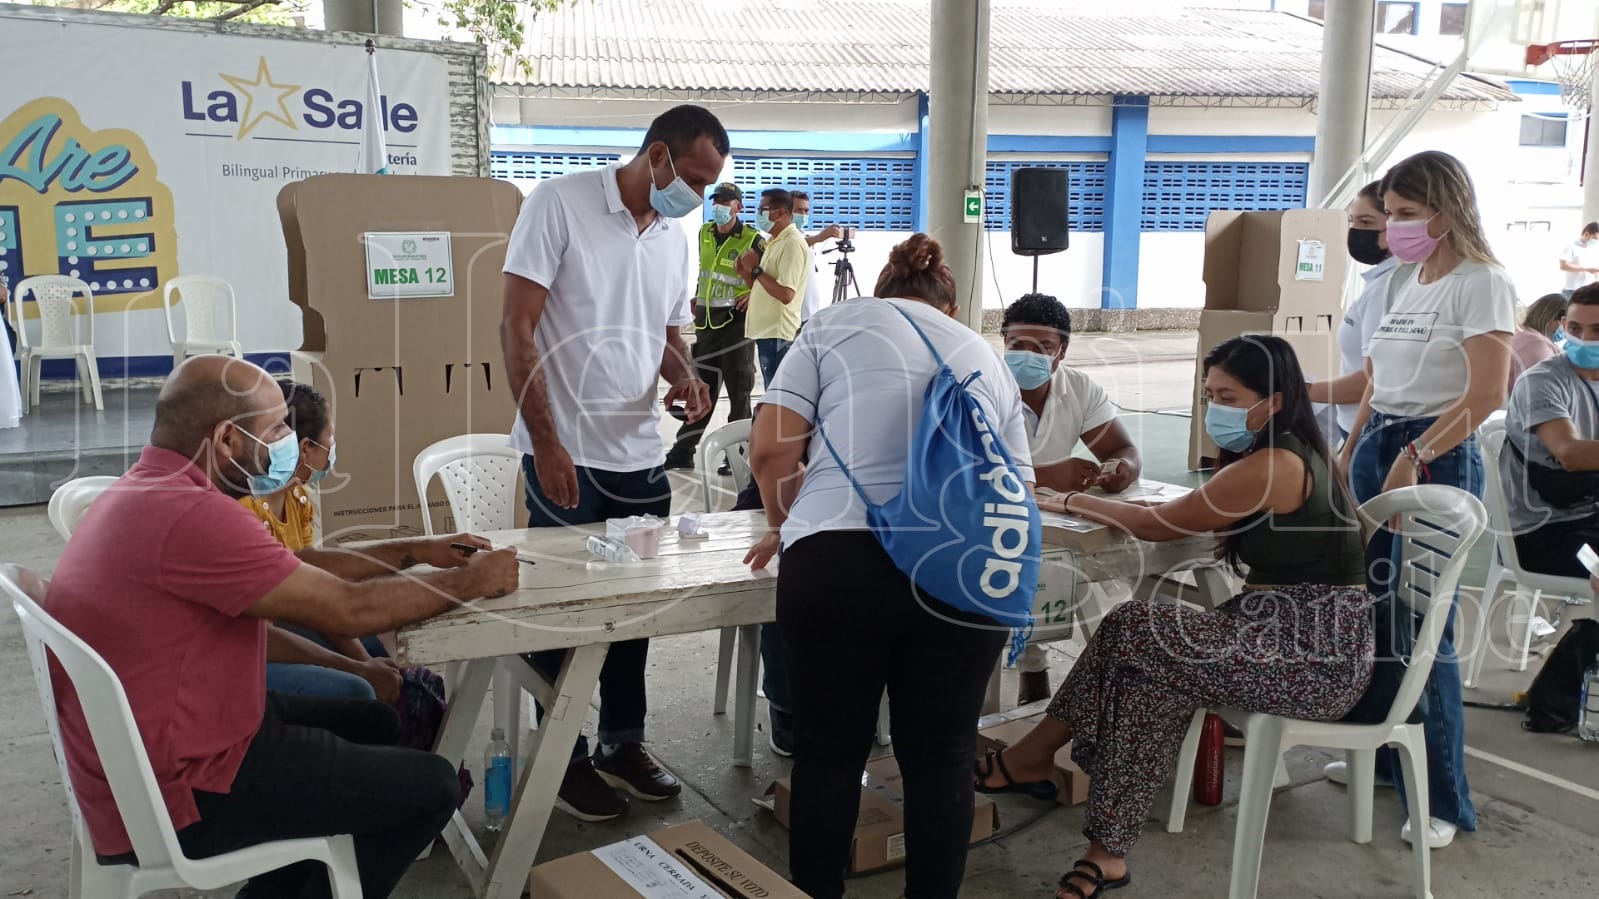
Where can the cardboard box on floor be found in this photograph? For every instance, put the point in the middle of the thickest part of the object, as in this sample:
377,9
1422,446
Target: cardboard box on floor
879,839
403,371
684,861
1072,780
1278,272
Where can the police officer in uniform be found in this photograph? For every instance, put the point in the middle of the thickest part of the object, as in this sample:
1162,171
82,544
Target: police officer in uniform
721,351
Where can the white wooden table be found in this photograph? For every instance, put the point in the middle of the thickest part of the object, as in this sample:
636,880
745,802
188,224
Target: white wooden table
568,601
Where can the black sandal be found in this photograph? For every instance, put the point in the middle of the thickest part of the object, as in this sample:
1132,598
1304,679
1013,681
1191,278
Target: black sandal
1096,880
1045,790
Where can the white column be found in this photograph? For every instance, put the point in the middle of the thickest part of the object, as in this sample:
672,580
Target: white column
958,142
1345,95
1590,189
365,16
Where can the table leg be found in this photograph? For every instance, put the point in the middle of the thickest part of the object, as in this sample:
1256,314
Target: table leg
749,662
513,856
460,716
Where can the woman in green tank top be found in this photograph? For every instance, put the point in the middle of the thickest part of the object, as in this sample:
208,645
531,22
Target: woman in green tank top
1296,642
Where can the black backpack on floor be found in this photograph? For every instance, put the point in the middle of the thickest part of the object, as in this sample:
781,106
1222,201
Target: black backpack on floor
1556,693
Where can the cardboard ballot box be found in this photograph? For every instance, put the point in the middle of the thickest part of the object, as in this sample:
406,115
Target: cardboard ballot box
879,839
1072,780
399,281
1278,272
684,861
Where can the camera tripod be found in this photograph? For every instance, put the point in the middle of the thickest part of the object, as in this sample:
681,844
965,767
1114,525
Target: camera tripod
844,284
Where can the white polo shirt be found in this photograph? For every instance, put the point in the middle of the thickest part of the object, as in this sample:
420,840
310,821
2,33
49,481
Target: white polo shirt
813,289
613,292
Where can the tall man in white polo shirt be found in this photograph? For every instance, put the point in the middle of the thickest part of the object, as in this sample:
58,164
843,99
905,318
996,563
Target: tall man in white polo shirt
597,290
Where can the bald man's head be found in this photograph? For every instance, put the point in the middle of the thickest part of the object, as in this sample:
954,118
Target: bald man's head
220,412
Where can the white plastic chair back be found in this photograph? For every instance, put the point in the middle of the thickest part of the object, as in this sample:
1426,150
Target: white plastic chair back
479,472
732,439
1436,526
72,499
203,298
56,298
1491,437
120,749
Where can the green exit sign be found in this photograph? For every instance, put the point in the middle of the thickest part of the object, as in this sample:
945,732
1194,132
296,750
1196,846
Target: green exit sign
974,207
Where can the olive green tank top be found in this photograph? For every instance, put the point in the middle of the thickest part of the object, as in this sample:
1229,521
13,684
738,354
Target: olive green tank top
1312,545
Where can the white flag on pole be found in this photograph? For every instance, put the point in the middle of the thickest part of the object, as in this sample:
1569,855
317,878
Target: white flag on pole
374,150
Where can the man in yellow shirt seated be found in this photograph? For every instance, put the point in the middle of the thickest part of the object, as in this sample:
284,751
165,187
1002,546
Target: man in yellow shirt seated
773,317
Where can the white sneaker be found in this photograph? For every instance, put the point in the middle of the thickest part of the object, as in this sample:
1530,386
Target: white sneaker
1439,833
1338,773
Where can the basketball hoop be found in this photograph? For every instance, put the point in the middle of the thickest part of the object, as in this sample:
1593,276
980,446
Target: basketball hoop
1573,64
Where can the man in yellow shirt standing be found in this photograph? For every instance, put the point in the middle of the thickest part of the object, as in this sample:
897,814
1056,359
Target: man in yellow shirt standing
773,317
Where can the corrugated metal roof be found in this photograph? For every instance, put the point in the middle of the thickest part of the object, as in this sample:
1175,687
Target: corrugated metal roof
1037,48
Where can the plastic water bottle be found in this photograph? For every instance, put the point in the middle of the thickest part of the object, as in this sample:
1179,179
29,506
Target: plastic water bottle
611,550
497,780
1588,715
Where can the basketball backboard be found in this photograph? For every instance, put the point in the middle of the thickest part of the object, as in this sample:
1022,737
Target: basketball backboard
1499,31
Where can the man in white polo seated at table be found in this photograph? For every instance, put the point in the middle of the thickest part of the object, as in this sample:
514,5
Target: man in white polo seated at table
1063,407
174,583
1550,463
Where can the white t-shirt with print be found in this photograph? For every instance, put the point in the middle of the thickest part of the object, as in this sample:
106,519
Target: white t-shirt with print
813,289
859,371
613,292
1354,332
1074,406
1583,257
1417,353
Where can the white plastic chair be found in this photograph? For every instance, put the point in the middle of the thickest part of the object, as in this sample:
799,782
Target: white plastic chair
56,297
479,473
162,864
1524,587
202,297
72,499
1438,526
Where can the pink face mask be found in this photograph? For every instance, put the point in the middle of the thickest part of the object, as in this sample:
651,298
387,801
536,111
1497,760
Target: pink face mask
1410,240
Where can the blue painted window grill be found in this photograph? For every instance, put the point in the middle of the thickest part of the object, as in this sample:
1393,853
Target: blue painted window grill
532,166
1086,190
1179,196
870,193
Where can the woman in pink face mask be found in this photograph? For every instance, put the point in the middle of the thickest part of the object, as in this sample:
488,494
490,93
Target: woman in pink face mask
1438,365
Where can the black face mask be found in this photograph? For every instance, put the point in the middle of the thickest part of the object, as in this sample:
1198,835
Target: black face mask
1363,246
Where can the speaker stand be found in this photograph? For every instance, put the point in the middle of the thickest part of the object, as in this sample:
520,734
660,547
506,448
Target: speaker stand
1035,274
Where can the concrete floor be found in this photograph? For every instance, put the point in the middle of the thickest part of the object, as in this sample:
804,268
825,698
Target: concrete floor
1537,795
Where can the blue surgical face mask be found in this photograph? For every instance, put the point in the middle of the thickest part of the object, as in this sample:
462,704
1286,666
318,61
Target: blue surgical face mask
802,220
1559,336
1583,353
721,215
677,199
333,454
1229,427
763,222
1030,369
283,457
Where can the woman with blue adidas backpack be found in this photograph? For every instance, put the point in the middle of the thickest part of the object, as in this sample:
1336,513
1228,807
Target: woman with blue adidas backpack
909,552
1296,642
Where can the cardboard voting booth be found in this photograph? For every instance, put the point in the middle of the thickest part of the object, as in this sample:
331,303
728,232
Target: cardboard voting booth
1278,272
399,281
684,861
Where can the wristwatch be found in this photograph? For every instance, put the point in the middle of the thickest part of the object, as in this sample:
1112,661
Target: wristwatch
757,271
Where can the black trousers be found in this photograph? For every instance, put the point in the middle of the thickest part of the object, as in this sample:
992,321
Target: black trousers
852,625
1552,549
722,356
320,767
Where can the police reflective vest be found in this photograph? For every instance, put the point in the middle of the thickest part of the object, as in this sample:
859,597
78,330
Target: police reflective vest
720,283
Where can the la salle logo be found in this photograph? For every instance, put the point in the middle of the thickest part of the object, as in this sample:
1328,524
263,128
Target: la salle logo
257,99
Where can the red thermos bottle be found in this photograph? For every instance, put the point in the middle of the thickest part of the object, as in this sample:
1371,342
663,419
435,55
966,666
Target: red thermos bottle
1209,765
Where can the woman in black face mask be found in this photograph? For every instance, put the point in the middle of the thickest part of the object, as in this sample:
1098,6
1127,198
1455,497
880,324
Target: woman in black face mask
1367,223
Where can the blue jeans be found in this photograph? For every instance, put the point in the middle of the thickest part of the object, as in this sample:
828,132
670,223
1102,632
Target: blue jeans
1443,716
602,495
314,680
769,352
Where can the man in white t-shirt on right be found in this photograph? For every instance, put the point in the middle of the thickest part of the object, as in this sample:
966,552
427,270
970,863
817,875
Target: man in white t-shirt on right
1580,259
1062,407
813,284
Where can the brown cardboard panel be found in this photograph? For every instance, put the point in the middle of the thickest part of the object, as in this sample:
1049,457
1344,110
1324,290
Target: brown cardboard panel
693,848
400,374
1072,780
1215,326
879,840
1251,260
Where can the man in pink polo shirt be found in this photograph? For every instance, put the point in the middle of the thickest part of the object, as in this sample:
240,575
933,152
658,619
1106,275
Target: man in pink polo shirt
173,582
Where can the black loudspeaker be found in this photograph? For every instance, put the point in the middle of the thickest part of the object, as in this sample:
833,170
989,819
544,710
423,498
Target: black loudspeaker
1040,207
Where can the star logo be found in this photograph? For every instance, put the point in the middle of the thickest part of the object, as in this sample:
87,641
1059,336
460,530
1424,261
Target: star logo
265,92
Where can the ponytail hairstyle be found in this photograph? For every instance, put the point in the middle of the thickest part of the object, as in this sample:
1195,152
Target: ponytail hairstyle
916,270
1440,181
